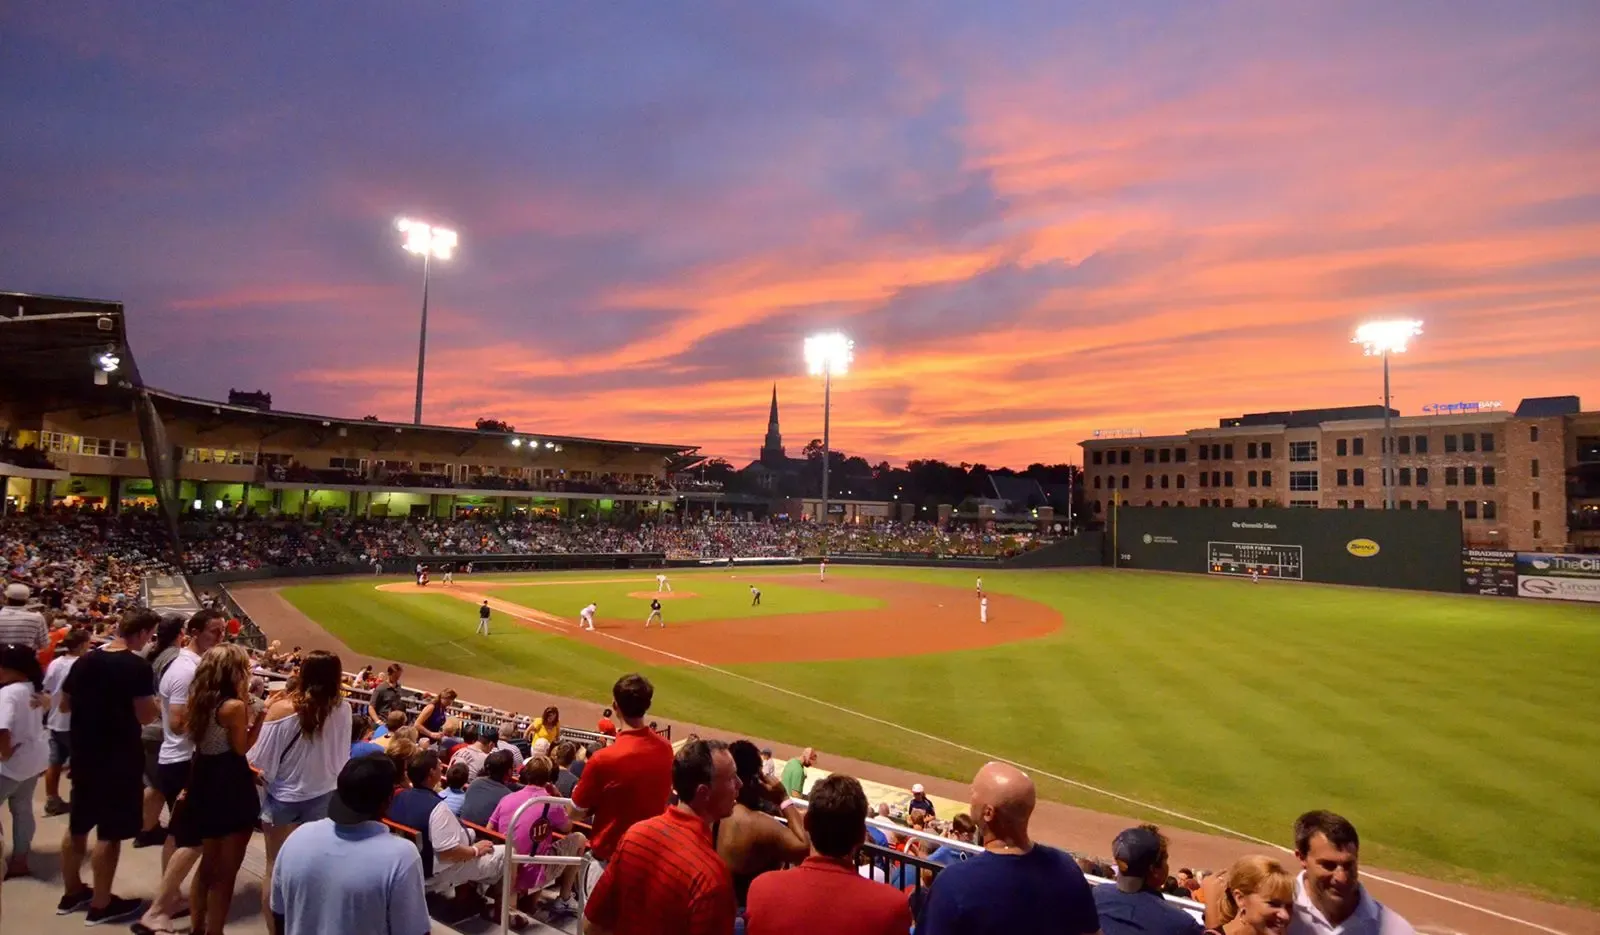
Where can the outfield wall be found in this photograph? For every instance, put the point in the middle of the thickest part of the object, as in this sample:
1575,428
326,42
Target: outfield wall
1412,549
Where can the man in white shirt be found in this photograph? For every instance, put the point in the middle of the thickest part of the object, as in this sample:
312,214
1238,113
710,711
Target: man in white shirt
19,625
662,584
73,645
1328,896
24,753
456,859
586,616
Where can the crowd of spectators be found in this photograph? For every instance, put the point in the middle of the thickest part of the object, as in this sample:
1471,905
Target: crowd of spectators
404,476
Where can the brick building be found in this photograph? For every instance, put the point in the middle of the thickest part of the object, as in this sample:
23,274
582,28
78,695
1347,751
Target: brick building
1523,479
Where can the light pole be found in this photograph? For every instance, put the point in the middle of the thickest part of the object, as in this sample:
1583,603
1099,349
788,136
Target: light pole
431,242
827,354
1385,338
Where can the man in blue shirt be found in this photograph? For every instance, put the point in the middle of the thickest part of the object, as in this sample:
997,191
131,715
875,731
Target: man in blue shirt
1133,905
1015,887
346,872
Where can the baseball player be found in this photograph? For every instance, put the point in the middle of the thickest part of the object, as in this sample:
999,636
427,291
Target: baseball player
655,614
980,585
822,569
586,617
983,609
662,584
483,619
755,596
1255,574
449,574
422,575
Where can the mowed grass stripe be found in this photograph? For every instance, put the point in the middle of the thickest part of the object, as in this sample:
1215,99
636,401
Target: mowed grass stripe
1456,732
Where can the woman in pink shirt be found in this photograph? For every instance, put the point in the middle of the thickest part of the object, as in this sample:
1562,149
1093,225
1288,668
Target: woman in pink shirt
536,833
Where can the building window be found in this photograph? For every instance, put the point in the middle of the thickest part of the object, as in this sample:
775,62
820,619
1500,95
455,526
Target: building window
1228,503
1383,444
1489,509
1422,444
1266,449
1253,503
1302,480
1451,475
1533,436
1149,456
1538,526
1469,442
1166,455
1216,452
1124,482
1302,451
1341,478
1251,450
1227,478
1304,504
1452,504
1536,499
1359,477
1471,511
1486,443
1127,455
1097,506
1181,482
1097,482
1405,477
1165,503
1405,504
1227,452
1097,456
1422,504
1358,446
1180,455
1422,477
1359,505
1166,481
1469,476
1250,478
1449,444
1344,504
1535,467
1341,447
1266,478
1202,452
1488,475
1149,481
1404,442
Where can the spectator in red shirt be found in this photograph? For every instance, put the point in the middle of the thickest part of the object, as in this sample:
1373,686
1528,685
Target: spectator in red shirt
825,893
606,725
631,779
665,878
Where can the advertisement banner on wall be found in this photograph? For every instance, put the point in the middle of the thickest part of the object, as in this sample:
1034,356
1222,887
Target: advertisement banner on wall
1489,571
1559,589
1556,577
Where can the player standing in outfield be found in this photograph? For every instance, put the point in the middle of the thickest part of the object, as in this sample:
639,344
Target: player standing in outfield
1255,575
449,573
662,584
755,596
822,569
422,575
980,585
586,616
483,619
983,609
655,614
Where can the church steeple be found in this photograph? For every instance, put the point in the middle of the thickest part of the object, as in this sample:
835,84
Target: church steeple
772,447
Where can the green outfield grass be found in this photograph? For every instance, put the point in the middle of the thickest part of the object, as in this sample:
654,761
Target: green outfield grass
1458,733
717,597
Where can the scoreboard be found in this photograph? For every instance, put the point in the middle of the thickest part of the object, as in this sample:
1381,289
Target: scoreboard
1266,559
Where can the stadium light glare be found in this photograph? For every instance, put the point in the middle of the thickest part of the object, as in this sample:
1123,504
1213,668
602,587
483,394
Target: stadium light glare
1380,339
827,354
516,443
108,362
430,243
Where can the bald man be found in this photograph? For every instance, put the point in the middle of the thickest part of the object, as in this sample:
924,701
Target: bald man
1015,887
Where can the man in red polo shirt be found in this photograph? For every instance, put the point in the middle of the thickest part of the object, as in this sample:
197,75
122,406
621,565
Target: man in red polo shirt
825,893
665,878
631,779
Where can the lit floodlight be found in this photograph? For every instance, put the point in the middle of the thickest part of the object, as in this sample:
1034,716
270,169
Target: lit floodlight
1386,337
108,362
516,443
549,444
426,240
828,354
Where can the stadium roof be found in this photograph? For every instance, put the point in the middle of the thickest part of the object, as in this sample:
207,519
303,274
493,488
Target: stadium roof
1023,490
1538,407
1306,418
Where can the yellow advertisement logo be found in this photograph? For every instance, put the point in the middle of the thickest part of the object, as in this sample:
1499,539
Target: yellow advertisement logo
1361,548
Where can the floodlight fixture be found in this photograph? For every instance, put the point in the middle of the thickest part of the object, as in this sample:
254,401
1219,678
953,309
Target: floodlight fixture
1387,337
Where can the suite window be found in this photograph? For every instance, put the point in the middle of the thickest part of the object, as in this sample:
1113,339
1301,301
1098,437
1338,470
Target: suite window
1166,455
1180,455
1488,475
1227,478
1422,477
1341,447
1181,481
1149,481
1489,509
1341,478
1126,455
1302,480
1216,478
1358,446
1533,434
1405,477
1359,477
1149,456
1469,442
1404,441
1266,449
1166,481
1450,444
1469,476
1216,452
1250,478
1252,450
1266,478
1471,511
1099,457
1486,443
1203,452
1302,451
1451,476
1422,444
1227,452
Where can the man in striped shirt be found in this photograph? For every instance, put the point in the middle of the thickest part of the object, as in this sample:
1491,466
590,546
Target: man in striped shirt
665,876
18,624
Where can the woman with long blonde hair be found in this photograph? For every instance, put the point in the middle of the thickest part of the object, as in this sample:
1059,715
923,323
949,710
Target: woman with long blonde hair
304,742
1256,898
220,798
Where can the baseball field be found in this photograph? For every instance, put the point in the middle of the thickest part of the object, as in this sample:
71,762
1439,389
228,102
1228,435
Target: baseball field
1458,733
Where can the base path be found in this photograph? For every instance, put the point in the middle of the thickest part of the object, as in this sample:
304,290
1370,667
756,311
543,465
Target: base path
915,619
1432,906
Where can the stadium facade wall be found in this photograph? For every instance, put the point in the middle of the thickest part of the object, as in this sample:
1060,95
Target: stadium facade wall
406,565
1374,548
1084,549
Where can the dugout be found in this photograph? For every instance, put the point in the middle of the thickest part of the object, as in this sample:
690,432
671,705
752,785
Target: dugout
1413,549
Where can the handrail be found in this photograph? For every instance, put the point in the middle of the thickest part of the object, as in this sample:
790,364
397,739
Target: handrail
508,885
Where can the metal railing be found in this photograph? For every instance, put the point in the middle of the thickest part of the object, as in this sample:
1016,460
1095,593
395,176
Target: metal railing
508,885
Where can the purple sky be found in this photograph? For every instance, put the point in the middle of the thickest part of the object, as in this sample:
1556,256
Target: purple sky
1036,219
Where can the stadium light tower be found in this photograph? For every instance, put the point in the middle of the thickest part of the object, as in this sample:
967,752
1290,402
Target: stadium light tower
431,242
1385,338
826,355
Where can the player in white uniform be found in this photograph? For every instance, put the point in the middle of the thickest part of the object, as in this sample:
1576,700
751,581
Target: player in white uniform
755,596
1255,574
662,584
586,617
822,569
983,609
980,585
422,575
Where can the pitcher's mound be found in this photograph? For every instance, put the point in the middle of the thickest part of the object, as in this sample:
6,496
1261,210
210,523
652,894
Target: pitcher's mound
662,595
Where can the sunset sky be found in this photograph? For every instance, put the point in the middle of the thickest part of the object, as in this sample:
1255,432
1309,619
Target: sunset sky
1035,218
